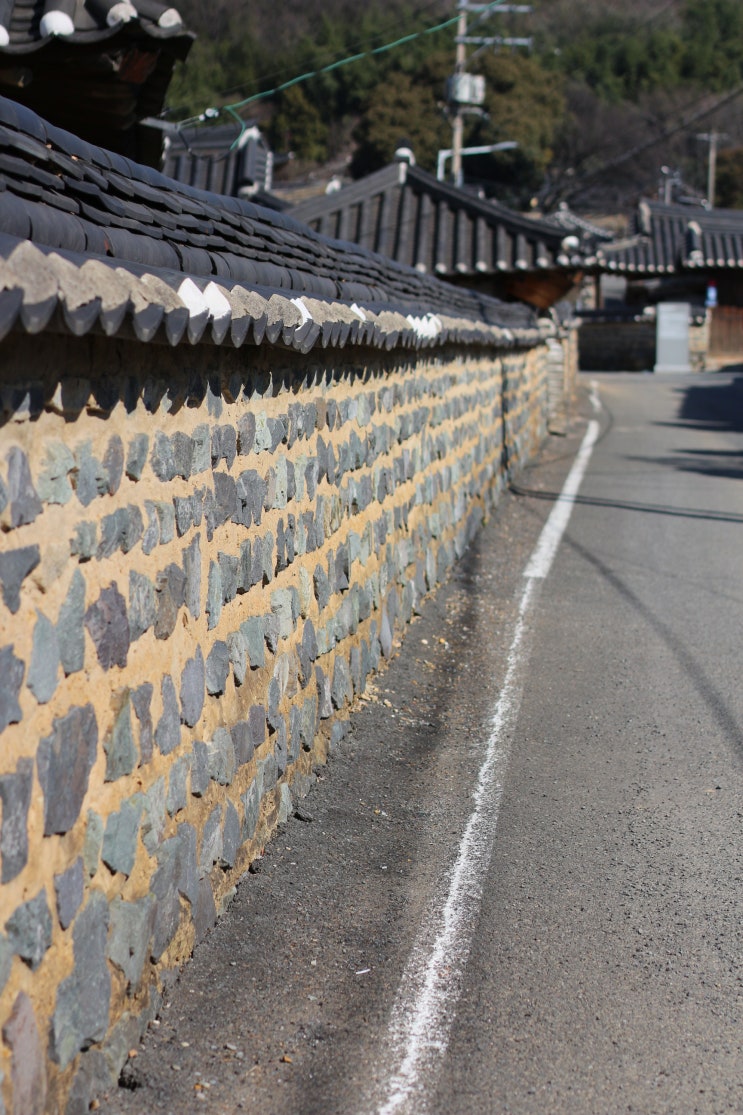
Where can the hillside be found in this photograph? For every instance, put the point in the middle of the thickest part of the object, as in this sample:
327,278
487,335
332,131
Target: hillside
606,97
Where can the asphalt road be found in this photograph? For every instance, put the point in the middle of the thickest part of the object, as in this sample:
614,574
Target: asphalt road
592,957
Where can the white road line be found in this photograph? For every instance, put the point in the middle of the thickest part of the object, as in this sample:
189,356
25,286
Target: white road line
424,1008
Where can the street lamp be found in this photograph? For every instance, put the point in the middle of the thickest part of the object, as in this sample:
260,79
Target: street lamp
486,149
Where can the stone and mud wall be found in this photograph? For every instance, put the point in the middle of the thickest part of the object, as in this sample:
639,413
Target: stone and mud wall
204,555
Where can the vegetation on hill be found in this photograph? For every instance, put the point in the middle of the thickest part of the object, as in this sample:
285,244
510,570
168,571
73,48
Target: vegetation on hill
607,95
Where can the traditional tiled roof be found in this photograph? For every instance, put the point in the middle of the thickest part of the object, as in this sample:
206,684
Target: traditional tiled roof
407,214
673,238
220,158
97,66
91,241
563,217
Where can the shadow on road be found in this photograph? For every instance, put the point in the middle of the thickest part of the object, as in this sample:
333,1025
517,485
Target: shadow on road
714,405
705,686
634,505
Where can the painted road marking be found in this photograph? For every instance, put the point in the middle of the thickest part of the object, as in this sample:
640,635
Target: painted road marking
424,1008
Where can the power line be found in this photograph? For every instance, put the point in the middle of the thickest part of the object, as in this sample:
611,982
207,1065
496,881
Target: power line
640,148
233,109
271,75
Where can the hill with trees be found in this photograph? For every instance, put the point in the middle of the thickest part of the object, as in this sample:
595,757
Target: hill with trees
606,97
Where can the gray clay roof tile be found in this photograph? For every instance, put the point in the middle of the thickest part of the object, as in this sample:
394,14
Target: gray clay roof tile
184,265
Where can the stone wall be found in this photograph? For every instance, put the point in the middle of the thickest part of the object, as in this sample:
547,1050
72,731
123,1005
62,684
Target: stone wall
617,345
204,554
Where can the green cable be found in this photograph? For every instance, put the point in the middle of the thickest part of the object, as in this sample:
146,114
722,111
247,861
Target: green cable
232,109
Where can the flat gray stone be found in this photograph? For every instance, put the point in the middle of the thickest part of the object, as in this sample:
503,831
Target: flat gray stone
28,1063
113,463
201,458
281,606
251,810
257,722
68,889
246,434
168,731
224,445
141,604
70,629
15,798
252,631
177,798
244,567
136,456
182,447
92,843
240,733
119,745
200,777
15,566
141,701
230,836
166,520
211,841
90,478
162,457
64,762
271,632
11,671
188,873
133,527
267,774
205,914
153,822
83,999
228,567
217,668
183,514
43,672
108,626
120,839
151,536
164,887
132,925
170,595
238,656
84,542
113,531
53,484
192,571
192,689
24,502
256,565
222,764
214,599
274,698
29,930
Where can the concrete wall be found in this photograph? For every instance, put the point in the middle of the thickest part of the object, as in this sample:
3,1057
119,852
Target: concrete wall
204,554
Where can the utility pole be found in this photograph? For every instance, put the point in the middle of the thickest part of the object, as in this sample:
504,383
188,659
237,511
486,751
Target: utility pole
466,92
711,138
457,124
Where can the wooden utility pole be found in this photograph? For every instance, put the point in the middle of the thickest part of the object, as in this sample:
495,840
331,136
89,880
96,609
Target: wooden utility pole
712,139
457,125
467,92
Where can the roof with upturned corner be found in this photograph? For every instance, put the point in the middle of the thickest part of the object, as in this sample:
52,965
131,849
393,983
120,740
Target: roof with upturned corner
114,58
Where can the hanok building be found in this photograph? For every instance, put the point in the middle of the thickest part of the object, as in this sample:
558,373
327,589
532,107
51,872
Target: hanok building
676,251
223,159
406,213
96,68
683,253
